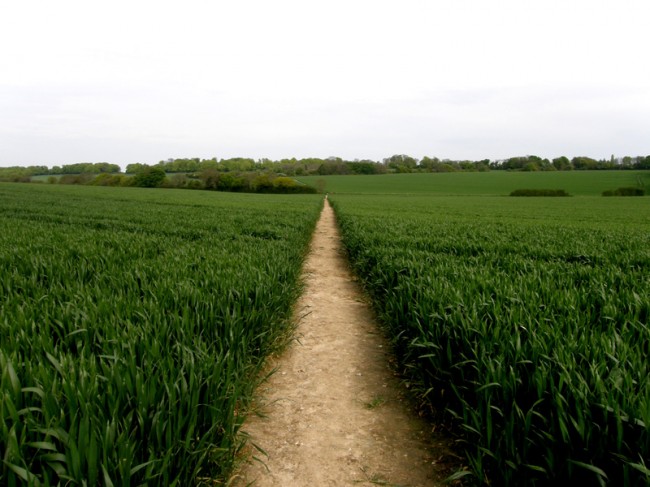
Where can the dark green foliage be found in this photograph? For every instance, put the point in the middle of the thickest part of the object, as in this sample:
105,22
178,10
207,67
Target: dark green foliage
210,179
253,183
88,168
526,163
231,182
149,177
285,185
631,191
107,179
84,178
539,192
16,174
23,174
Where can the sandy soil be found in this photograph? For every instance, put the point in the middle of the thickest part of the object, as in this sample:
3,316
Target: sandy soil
334,412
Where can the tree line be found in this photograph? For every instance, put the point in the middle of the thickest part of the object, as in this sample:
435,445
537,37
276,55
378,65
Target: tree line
157,177
20,173
398,163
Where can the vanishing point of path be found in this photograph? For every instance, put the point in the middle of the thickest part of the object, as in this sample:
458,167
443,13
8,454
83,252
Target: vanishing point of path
333,412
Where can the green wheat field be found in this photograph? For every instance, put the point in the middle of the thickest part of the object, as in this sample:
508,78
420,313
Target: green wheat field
134,322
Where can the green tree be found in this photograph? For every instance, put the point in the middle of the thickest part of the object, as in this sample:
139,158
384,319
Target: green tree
401,163
210,177
135,168
562,163
584,163
150,177
231,182
643,163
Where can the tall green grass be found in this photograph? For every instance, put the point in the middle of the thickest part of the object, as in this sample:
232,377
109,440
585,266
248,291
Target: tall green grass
526,322
132,325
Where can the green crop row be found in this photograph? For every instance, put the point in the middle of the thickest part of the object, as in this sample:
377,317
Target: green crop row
132,326
527,323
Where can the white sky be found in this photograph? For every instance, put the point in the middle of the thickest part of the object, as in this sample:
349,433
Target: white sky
141,81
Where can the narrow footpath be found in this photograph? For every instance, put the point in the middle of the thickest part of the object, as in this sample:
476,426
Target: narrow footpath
333,414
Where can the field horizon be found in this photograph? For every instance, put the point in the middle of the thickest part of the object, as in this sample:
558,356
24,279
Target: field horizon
492,183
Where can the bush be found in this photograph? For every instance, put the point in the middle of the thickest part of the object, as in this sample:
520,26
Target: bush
150,177
83,178
262,183
231,182
631,191
177,180
108,179
287,185
539,192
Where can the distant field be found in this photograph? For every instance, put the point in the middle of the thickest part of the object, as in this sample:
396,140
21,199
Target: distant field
488,183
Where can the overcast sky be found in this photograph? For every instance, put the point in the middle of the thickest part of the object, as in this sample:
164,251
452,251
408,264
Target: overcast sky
141,81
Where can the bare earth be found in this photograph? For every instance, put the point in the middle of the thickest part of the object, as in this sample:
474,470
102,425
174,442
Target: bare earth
334,412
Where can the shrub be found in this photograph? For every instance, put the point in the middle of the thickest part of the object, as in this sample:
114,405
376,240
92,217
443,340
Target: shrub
630,191
262,183
107,179
177,180
289,185
150,177
83,178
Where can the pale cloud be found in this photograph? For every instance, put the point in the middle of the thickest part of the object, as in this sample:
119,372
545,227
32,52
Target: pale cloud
142,81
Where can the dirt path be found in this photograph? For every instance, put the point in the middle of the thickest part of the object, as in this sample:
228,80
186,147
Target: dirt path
334,413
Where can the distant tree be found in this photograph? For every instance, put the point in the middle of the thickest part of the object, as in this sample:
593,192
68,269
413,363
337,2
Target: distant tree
180,165
150,177
90,168
401,162
16,174
584,163
262,183
105,167
210,177
209,164
333,167
238,164
531,166
178,181
468,166
446,166
365,167
562,163
107,179
483,165
429,163
525,163
642,163
83,178
284,183
289,185
626,162
135,168
231,182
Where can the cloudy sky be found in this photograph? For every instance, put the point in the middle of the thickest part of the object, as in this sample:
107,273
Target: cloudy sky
141,81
